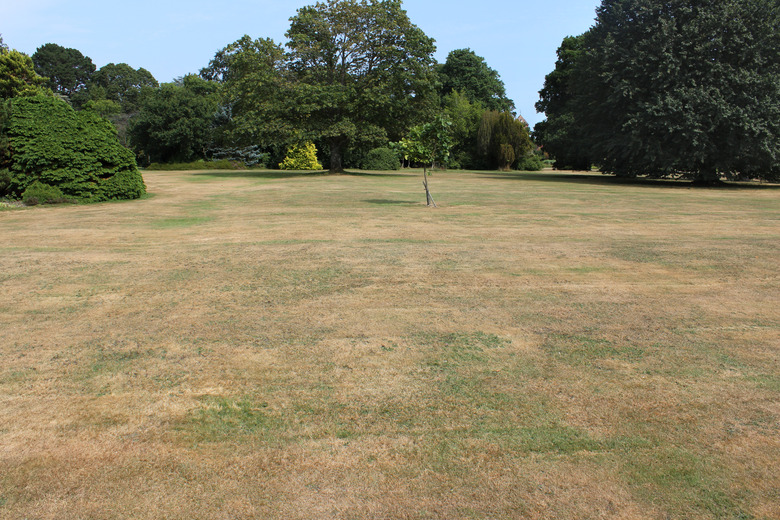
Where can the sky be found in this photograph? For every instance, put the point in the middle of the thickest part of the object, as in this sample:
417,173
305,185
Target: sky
171,38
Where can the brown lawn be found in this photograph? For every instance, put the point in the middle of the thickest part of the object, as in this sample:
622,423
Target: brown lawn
261,345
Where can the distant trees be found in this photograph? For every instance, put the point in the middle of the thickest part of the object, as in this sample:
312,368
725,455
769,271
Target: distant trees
669,87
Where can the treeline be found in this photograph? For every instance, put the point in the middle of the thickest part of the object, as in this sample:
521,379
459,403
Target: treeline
669,88
354,78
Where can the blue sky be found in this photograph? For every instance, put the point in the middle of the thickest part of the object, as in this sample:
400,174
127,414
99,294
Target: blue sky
171,38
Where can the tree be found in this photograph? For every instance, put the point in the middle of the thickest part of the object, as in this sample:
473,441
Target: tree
468,74
503,139
68,70
301,157
360,71
121,83
465,116
672,86
428,144
253,93
17,75
560,134
76,152
175,121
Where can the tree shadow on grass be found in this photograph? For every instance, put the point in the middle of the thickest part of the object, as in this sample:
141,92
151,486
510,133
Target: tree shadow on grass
611,180
389,202
258,174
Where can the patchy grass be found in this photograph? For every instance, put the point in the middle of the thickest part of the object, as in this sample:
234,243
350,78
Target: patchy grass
265,345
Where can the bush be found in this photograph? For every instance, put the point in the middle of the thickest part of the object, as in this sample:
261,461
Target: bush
5,182
381,159
531,163
77,152
40,193
301,157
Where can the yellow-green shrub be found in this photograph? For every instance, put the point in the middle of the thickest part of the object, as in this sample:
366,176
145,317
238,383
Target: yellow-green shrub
301,157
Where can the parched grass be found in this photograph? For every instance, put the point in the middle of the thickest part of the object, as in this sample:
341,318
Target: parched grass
256,345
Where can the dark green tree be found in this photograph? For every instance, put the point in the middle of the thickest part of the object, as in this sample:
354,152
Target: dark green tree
560,135
468,73
76,152
503,139
671,86
253,95
68,70
360,73
121,83
175,122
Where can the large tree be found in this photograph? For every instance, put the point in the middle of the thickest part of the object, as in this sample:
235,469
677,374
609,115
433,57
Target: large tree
470,75
362,73
254,94
561,135
121,83
679,86
68,70
175,121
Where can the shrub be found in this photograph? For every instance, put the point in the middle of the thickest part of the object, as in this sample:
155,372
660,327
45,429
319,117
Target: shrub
301,157
5,182
381,159
531,163
40,193
77,152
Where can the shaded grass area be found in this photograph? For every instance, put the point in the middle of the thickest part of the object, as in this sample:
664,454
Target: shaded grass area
254,345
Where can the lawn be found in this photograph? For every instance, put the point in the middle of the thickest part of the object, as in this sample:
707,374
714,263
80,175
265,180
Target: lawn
281,346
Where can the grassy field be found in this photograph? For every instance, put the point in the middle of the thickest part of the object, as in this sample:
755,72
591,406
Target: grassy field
275,346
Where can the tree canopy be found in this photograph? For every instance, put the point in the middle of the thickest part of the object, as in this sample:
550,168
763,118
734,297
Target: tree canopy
363,73
671,86
470,75
67,69
17,74
175,122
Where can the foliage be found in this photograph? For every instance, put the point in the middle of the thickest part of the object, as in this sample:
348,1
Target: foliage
468,74
67,70
175,121
530,163
503,139
670,86
301,157
77,152
121,83
253,95
428,144
5,181
360,72
248,156
222,164
18,76
40,193
561,134
381,159
465,116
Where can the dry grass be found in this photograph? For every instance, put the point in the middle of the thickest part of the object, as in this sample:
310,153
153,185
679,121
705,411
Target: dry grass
245,345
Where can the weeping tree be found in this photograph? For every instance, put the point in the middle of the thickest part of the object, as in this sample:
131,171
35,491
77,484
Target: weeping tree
503,140
429,144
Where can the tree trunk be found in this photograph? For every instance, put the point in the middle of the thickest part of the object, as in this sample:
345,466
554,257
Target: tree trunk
428,197
336,150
